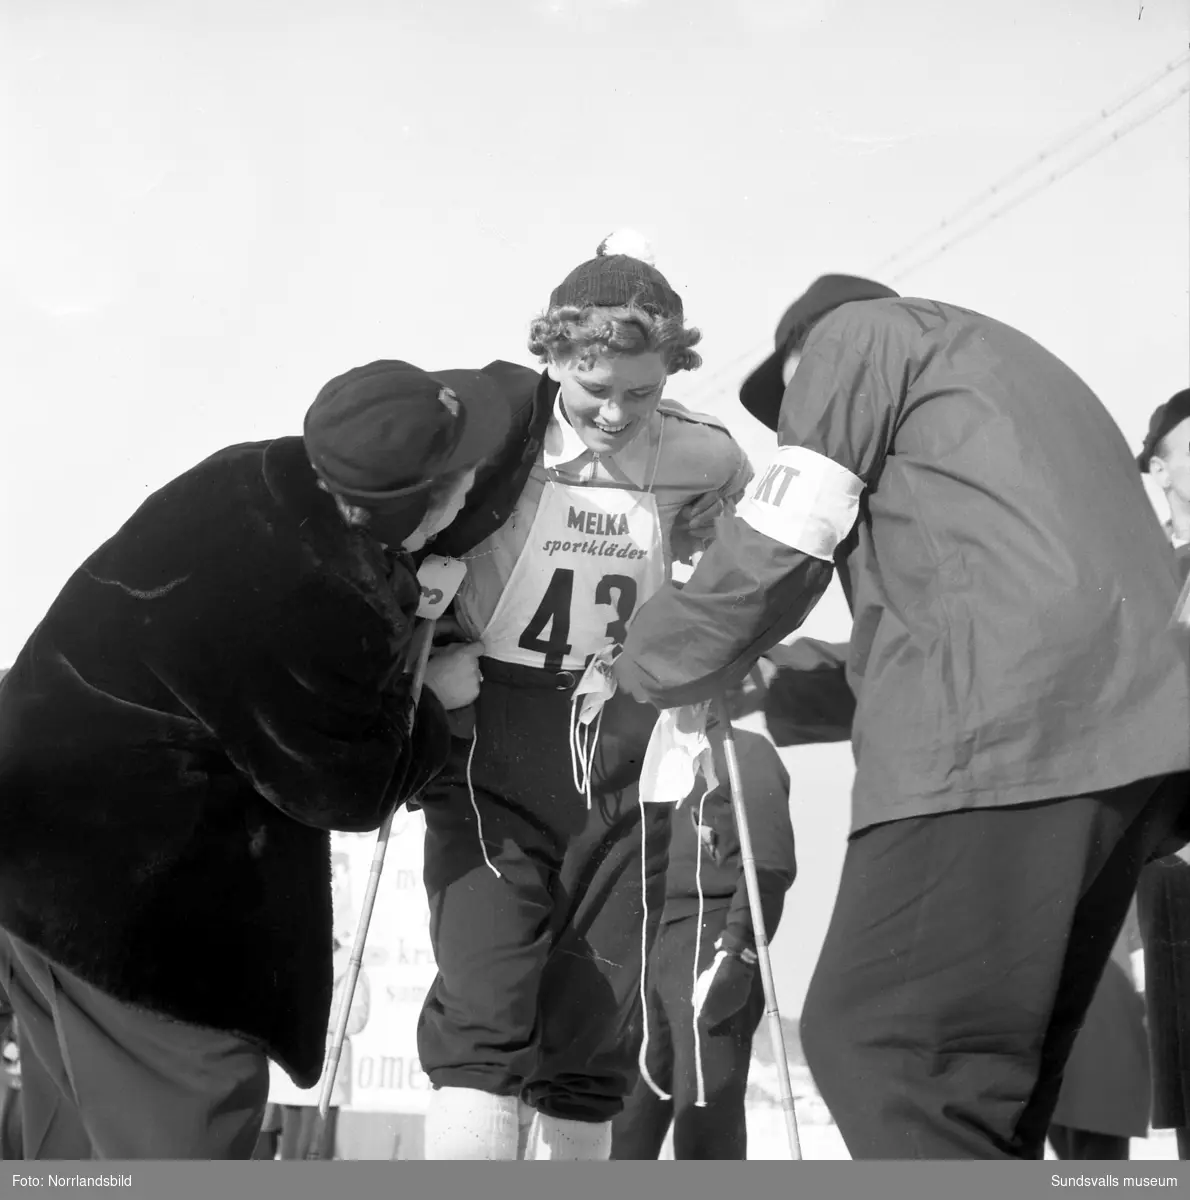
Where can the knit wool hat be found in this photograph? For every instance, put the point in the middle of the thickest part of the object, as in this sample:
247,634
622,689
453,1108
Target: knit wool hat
614,278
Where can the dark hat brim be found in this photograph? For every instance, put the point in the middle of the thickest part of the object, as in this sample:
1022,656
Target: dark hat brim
488,420
762,392
486,426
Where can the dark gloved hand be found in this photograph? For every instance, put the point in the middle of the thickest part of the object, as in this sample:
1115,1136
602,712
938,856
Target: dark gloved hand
724,987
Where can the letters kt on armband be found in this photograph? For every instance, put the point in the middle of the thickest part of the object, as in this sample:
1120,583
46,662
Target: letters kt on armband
805,501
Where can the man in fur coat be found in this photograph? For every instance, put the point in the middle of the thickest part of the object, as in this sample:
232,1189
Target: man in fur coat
218,686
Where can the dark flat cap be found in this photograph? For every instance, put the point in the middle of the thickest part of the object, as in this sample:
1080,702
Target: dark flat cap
1165,418
762,391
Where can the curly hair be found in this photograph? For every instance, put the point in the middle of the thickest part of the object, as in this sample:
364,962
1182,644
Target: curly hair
568,331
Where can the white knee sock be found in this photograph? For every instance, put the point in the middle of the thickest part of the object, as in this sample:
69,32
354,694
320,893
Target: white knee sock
467,1124
570,1141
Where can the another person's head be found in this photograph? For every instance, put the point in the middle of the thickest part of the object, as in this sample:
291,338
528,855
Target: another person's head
1165,454
612,335
398,448
762,392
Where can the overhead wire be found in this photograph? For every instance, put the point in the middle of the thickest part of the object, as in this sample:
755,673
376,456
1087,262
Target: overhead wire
1047,182
1034,161
709,384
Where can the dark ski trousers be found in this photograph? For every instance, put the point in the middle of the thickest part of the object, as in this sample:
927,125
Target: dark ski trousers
960,961
717,1131
538,982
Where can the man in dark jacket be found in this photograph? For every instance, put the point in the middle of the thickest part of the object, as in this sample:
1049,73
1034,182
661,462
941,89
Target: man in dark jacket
217,687
1018,689
698,1080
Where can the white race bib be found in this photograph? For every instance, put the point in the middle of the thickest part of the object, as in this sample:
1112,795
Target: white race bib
593,557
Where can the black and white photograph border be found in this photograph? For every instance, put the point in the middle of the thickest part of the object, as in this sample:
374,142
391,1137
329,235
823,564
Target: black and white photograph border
212,208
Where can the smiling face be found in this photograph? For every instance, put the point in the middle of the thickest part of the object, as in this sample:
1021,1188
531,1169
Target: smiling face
609,399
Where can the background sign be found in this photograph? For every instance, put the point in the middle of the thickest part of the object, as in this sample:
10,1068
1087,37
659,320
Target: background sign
379,1070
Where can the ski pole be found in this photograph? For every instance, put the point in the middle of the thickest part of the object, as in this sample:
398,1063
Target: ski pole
776,1033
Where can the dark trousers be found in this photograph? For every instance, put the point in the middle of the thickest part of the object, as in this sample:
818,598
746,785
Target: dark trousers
1086,1145
539,968
102,1080
10,1085
1163,909
718,1130
292,1132
961,958
11,1147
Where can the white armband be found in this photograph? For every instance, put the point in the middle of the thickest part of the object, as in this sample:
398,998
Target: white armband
803,500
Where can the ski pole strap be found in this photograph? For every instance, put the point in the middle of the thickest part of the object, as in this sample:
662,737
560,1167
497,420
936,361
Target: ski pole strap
744,953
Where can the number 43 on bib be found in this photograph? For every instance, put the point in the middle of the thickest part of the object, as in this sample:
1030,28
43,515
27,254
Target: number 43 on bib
554,614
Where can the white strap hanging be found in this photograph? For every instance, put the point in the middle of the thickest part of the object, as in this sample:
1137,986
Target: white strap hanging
701,764
594,690
475,805
701,1098
642,1058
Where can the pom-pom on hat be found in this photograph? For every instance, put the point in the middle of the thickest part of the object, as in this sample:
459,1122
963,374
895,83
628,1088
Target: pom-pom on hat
629,242
622,272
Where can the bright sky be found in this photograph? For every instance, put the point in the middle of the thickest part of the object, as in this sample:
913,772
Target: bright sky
212,207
